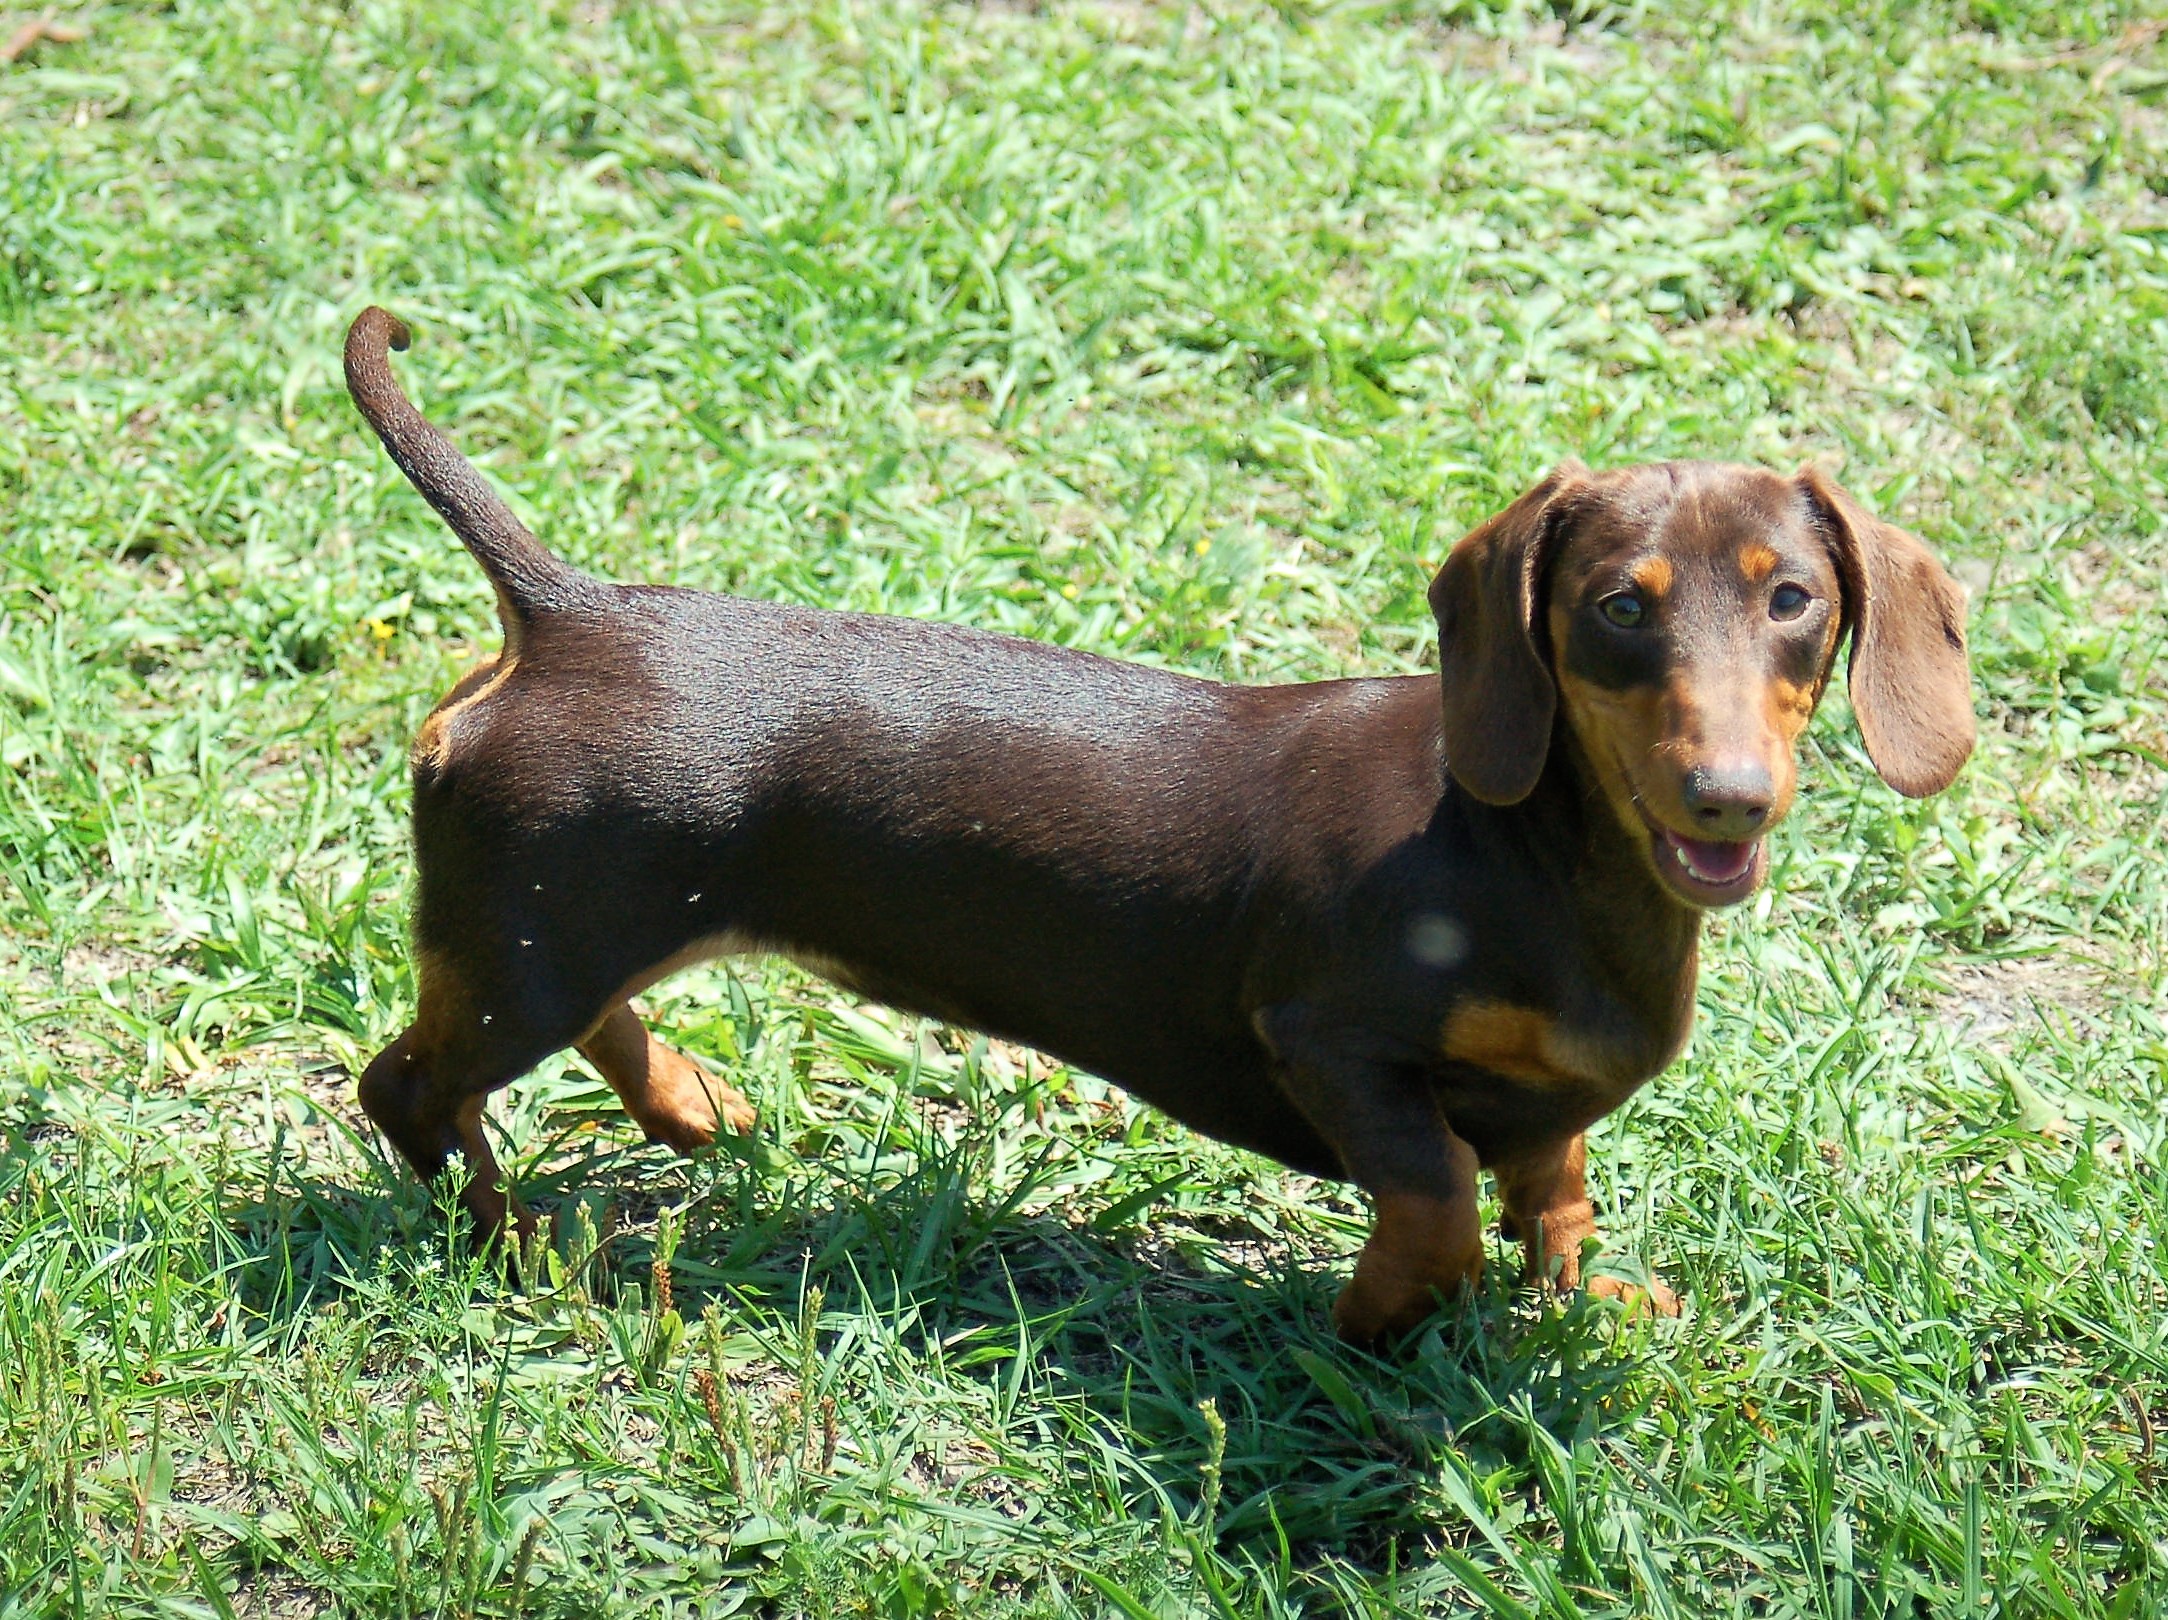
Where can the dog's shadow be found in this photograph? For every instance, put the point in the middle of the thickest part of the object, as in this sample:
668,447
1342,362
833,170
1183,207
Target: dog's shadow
1128,1331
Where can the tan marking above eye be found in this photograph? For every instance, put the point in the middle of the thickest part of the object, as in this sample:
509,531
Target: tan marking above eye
1757,561
1654,575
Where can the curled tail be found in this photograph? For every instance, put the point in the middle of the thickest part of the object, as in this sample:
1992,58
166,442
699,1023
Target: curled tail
526,575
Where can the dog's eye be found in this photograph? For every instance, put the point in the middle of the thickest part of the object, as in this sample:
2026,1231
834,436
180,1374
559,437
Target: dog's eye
1625,610
1788,601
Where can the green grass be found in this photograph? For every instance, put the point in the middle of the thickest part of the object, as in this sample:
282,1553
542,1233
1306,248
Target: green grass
1189,334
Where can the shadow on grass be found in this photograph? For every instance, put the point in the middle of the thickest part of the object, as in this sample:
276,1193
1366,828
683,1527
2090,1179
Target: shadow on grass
1126,1332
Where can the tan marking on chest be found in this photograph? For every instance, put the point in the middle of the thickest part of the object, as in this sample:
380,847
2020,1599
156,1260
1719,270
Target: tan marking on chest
1532,1047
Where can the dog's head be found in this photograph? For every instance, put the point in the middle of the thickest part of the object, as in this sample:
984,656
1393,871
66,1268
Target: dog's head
1683,619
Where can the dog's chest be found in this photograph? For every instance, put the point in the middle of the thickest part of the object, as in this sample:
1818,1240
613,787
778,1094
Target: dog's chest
1599,1054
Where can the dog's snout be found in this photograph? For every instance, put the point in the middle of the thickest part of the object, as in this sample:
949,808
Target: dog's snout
1729,799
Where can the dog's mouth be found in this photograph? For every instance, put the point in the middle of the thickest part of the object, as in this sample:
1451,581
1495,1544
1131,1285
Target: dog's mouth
1708,871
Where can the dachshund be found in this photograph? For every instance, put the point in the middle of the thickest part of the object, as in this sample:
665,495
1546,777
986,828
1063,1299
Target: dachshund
1389,931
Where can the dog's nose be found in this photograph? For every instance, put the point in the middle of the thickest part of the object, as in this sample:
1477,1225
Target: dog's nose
1729,799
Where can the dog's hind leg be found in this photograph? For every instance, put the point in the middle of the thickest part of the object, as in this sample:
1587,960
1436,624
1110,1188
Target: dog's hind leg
425,1092
670,1097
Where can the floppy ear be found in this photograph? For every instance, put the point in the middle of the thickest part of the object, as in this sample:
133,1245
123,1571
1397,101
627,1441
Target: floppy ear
1910,685
1499,697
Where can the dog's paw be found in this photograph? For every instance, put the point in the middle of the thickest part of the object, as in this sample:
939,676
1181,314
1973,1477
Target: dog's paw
1654,1299
738,1116
1365,1319
686,1107
1373,1311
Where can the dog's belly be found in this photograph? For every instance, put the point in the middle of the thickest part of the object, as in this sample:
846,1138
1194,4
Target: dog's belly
1220,1085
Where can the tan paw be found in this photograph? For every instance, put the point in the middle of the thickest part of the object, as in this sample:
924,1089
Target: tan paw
1366,1317
738,1115
1656,1299
1375,1309
685,1105
1421,1249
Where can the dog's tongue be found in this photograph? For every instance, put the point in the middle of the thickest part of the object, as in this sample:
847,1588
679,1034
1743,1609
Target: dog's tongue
1713,861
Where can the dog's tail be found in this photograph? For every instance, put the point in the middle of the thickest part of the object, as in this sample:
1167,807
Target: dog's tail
526,575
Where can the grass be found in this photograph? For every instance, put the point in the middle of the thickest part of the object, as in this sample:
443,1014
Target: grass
1189,334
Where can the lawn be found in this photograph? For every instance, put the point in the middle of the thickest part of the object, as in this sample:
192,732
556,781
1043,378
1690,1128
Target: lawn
1190,334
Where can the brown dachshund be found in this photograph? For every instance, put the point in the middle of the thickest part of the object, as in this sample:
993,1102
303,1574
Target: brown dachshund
1383,930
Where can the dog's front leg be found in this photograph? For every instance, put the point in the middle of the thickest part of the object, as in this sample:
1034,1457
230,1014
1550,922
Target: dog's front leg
1382,1118
1545,1194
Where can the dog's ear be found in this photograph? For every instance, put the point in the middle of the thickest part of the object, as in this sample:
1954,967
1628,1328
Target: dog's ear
1499,695
1910,685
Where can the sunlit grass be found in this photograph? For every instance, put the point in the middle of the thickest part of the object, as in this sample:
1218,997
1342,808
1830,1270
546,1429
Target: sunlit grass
1192,335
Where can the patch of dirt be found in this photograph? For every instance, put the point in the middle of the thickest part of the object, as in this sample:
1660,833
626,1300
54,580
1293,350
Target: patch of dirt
275,1595
1996,1002
87,963
1507,57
